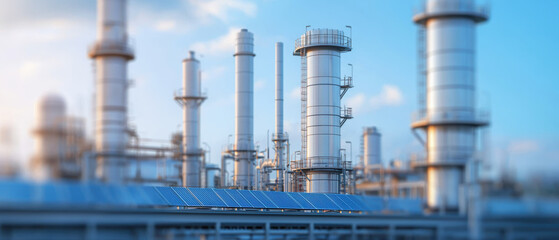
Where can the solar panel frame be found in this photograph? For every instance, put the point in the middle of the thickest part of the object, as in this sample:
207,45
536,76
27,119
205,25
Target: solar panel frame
241,200
282,200
227,198
305,204
207,197
268,203
339,201
253,200
189,199
172,198
321,201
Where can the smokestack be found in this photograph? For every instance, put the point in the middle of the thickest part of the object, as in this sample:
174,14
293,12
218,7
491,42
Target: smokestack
371,151
111,54
450,118
244,151
279,138
322,165
191,99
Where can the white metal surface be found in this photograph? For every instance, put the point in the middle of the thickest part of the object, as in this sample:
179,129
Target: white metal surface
111,54
192,97
322,49
50,144
371,148
244,95
450,119
280,137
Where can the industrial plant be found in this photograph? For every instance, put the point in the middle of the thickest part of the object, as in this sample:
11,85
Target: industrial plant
115,186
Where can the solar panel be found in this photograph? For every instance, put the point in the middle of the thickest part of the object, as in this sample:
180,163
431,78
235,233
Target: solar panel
119,195
339,201
207,197
139,196
373,203
187,197
320,201
16,192
172,198
75,193
251,199
241,200
222,193
48,194
355,202
282,200
301,200
154,196
98,195
264,199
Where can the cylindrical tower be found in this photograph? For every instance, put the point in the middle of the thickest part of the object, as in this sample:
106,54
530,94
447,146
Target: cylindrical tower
191,98
244,97
371,148
450,118
279,138
111,53
322,49
50,141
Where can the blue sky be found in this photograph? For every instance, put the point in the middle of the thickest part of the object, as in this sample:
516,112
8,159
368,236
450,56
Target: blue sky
44,44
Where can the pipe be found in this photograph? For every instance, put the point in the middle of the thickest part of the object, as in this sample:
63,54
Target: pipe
111,54
279,139
244,94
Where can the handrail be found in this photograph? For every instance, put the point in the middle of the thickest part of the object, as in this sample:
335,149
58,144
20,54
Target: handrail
336,38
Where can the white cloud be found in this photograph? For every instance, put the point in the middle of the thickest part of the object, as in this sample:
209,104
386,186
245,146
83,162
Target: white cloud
357,102
165,25
222,9
295,93
221,45
260,84
389,96
523,146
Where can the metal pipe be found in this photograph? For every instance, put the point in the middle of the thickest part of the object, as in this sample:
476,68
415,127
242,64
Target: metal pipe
244,94
111,53
451,118
279,138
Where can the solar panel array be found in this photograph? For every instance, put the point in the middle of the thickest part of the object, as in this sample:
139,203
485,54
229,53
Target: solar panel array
76,194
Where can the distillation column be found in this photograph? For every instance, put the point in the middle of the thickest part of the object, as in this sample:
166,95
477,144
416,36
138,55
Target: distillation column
244,152
450,119
279,137
323,165
111,53
190,99
371,149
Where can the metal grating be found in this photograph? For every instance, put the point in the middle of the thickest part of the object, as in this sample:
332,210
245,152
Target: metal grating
207,197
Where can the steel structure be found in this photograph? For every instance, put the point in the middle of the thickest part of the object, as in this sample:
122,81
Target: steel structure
190,99
450,118
244,151
111,54
322,163
279,137
371,149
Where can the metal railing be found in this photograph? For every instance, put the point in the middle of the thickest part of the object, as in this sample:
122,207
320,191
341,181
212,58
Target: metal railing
318,162
347,82
452,6
179,93
332,37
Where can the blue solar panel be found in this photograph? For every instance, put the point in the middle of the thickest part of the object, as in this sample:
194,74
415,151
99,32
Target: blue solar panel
154,196
242,201
222,193
320,201
172,198
138,195
187,197
16,192
354,202
49,194
301,200
264,199
251,199
119,195
98,195
75,193
282,200
373,203
339,201
207,197
407,205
